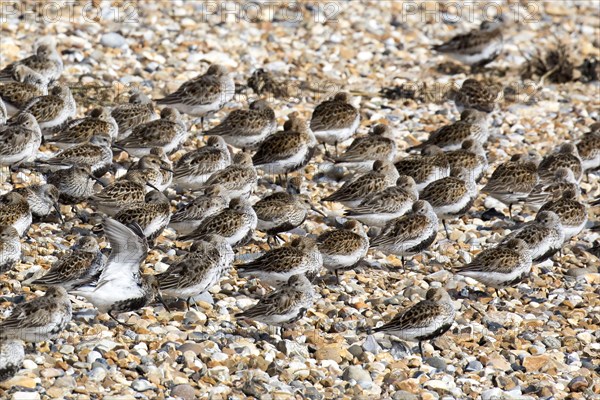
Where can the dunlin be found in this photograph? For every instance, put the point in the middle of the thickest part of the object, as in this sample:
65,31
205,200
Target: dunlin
46,61
168,132
276,267
451,197
75,184
237,180
202,268
285,305
80,267
119,194
476,95
40,319
12,354
364,151
190,216
379,208
335,120
430,166
10,247
155,169
471,156
512,180
544,235
426,320
246,129
282,211
27,86
20,140
504,265
194,168
352,193
566,157
137,112
236,224
288,150
409,234
477,47
98,123
588,148
53,110
572,213
121,287
343,248
544,192
42,199
152,215
471,126
95,154
203,94
14,211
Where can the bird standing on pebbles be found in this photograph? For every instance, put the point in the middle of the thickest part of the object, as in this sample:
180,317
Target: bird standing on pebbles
46,61
236,224
472,125
169,132
194,168
42,199
98,123
95,154
190,216
430,166
19,140
203,94
364,151
335,120
409,234
285,305
12,354
75,184
544,236
40,319
206,263
139,110
477,47
471,156
476,95
29,84
81,266
426,320
566,157
572,213
276,267
238,179
380,208
15,211
152,215
53,110
544,192
588,148
10,247
343,248
451,197
288,150
246,129
351,194
504,265
121,286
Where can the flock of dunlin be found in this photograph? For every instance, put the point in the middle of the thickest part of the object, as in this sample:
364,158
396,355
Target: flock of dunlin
395,206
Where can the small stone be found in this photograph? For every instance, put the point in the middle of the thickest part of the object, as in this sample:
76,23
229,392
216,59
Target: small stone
97,374
67,349
25,396
141,385
355,350
358,374
437,363
184,392
551,342
93,356
370,345
578,384
67,382
585,337
291,348
112,39
491,394
52,372
474,366
404,395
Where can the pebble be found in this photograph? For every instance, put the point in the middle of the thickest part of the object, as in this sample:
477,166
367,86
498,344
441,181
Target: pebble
437,363
141,385
358,374
184,392
112,39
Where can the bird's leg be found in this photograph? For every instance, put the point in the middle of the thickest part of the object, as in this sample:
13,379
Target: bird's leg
510,211
188,303
446,229
110,314
402,260
336,148
281,240
337,276
326,151
421,349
